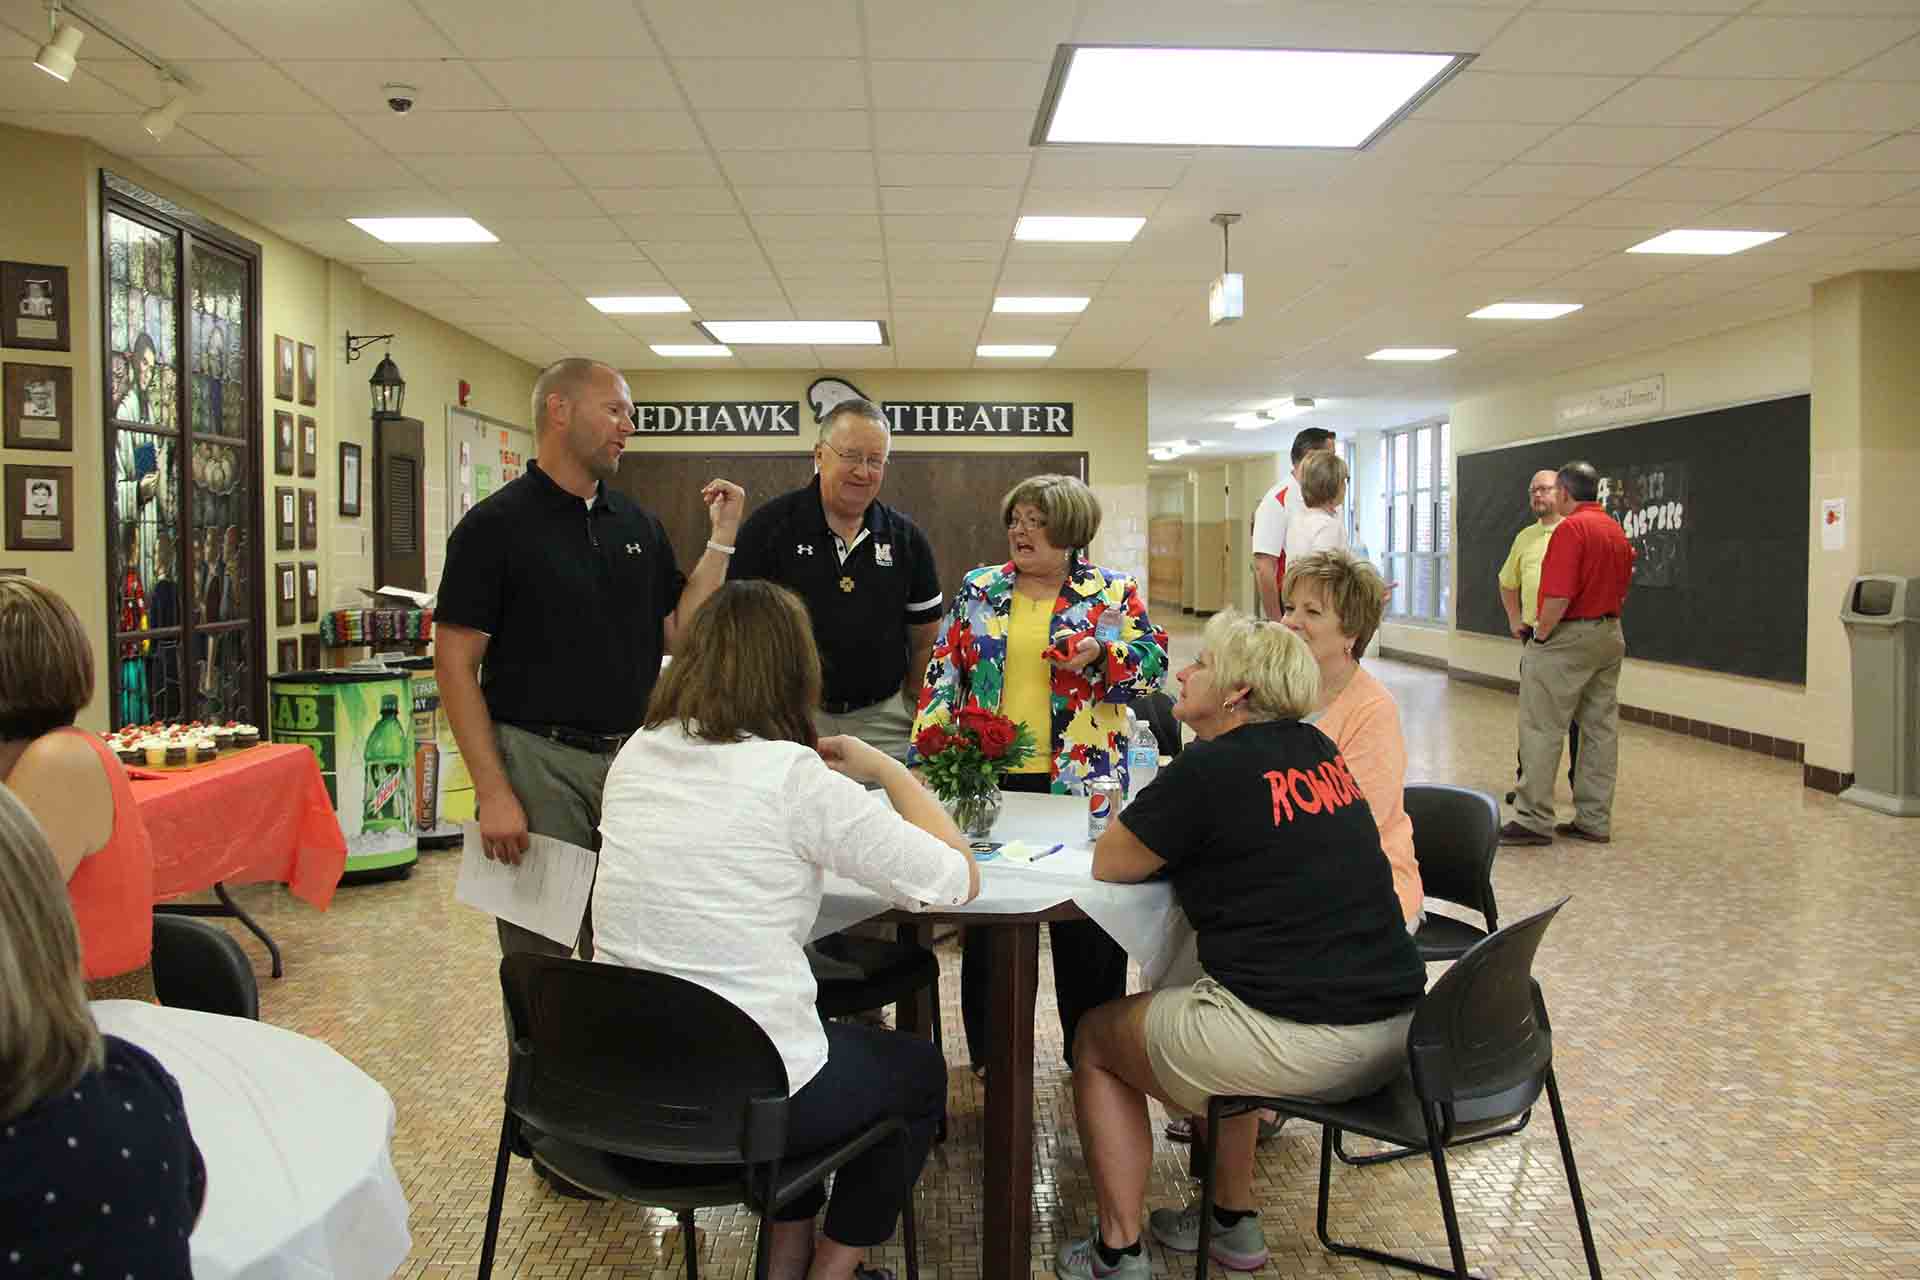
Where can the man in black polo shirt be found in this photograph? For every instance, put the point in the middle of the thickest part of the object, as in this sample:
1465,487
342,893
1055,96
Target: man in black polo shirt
558,599
866,573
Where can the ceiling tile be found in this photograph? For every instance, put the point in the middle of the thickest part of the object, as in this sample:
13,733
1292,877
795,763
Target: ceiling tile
566,132
1618,144
816,272
300,170
794,200
939,227
1110,167
944,272
209,173
218,87
1485,211
1895,155
798,168
676,227
1770,217
583,84
957,131
23,89
259,134
1675,100
646,169
761,84
983,29
1771,149
985,200
1592,43
1892,219
525,172
1902,62
169,29
1296,25
748,28
784,253
538,200
786,130
337,29
1839,188
448,132
1557,179
900,169
583,253
1772,47
1648,214
120,134
551,29
1850,105
355,87
694,200
958,86
1428,141
950,250
1489,96
797,227
556,230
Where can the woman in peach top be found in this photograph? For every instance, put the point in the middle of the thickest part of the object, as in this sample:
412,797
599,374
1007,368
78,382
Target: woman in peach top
74,787
1333,601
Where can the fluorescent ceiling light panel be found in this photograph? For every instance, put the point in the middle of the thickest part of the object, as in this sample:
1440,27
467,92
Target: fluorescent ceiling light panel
796,333
425,230
691,350
1525,311
1039,306
1015,350
1233,97
1412,353
1078,230
636,306
1716,243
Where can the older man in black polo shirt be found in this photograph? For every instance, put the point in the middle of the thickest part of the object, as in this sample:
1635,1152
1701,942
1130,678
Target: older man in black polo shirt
558,599
866,573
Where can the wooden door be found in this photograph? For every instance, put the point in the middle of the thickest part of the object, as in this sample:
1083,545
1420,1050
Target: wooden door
1166,560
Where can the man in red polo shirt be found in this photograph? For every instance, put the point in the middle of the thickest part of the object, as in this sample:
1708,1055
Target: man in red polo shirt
1572,672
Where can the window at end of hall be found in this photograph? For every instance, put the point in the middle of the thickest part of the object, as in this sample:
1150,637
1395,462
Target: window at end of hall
1418,490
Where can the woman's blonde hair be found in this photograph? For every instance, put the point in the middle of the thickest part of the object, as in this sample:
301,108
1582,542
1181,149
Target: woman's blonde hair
1323,478
47,1036
1271,663
1352,588
747,664
1070,509
46,662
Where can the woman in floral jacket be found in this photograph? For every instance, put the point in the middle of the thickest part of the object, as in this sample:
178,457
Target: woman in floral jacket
1062,645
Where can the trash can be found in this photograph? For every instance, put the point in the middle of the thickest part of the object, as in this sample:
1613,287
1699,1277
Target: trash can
443,790
359,725
1882,617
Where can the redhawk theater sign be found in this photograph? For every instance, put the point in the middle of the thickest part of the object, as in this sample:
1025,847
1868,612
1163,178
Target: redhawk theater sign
904,417
977,418
718,418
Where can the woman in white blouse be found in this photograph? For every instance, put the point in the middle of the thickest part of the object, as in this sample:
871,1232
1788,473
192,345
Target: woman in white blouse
1317,526
720,819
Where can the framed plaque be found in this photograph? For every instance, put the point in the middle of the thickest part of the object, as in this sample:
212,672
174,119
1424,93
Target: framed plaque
33,306
39,506
309,519
283,518
286,598
309,591
39,406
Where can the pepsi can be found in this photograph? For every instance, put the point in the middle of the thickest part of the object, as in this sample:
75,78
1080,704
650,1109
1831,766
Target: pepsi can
1103,801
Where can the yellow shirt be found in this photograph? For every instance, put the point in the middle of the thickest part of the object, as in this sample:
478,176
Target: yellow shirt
1521,572
1027,697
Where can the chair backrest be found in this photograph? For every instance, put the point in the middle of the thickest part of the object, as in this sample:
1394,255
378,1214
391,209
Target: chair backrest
640,1063
1456,833
1156,709
1481,1030
199,966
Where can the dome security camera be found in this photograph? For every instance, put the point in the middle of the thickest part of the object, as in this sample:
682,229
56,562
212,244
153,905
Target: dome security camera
400,97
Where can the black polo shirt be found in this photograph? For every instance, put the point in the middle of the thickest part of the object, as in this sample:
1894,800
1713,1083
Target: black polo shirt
574,600
861,606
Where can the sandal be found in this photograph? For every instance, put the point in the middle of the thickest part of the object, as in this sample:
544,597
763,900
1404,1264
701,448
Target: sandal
1179,1129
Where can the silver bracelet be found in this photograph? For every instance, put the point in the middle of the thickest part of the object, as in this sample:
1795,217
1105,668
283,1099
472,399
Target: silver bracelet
715,546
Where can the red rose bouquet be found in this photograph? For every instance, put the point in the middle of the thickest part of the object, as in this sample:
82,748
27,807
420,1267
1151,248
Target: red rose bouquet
964,756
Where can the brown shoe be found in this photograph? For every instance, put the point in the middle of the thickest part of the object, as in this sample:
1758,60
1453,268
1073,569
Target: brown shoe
1515,833
1581,833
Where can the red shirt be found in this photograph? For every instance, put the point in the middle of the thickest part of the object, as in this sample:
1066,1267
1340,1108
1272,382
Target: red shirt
112,889
1589,563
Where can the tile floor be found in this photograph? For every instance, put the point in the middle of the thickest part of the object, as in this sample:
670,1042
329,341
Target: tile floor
1734,987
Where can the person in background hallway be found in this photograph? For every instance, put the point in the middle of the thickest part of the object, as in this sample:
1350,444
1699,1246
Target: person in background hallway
558,600
866,573
75,787
1520,588
1271,519
1053,641
1317,525
1572,671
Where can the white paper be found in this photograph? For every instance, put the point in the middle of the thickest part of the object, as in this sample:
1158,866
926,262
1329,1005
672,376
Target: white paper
546,893
1833,524
418,599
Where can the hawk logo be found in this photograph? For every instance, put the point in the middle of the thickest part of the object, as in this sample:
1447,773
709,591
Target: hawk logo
883,554
633,548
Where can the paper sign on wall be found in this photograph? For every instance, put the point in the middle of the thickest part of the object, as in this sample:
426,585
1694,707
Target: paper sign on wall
1833,524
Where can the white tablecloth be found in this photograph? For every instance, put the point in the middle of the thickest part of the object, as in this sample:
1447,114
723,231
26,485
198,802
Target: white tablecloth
300,1181
1139,916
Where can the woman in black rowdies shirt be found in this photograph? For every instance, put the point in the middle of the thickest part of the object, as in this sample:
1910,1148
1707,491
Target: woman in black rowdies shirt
1310,977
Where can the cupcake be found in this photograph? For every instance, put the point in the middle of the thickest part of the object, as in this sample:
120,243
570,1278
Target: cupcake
202,748
176,752
155,748
246,735
130,752
223,736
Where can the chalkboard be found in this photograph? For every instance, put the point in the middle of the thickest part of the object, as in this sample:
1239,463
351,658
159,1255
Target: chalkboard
1716,504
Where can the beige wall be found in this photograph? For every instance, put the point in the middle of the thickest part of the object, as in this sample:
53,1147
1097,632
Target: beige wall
1109,423
52,215
1756,362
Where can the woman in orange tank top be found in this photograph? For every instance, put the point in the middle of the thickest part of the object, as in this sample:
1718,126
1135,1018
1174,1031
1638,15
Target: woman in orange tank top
74,787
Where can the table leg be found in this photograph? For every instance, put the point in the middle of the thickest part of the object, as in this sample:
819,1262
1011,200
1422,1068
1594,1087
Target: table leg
1006,1251
914,1015
230,909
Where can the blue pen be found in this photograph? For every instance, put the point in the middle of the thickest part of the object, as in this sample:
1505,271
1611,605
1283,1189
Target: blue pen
1045,852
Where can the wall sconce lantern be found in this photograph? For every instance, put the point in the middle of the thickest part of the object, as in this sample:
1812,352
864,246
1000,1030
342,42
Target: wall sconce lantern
389,389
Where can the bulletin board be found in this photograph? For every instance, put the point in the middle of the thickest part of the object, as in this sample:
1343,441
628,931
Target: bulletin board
482,455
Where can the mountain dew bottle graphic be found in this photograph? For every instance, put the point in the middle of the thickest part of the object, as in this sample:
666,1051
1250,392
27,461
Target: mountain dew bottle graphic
389,757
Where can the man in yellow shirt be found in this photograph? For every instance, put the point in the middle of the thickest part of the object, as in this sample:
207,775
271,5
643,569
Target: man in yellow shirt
1520,582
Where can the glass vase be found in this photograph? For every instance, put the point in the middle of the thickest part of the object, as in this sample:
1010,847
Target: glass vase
975,814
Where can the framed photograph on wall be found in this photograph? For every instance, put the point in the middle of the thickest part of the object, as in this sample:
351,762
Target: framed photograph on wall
309,591
349,478
286,598
284,447
309,436
311,658
286,654
33,306
282,368
309,374
309,519
283,518
39,408
39,505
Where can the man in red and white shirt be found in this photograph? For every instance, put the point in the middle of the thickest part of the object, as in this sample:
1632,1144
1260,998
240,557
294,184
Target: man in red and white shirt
1271,518
1572,672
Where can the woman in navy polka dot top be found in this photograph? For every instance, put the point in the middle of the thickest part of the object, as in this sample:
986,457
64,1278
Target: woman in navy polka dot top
99,1176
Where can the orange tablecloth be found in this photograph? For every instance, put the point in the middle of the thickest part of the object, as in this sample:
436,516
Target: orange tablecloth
260,814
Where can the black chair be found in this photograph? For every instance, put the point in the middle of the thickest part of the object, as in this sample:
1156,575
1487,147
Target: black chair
1156,709
643,1087
1479,1051
200,966
890,973
1456,832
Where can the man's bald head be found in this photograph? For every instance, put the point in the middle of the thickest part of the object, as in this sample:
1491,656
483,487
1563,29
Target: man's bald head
571,379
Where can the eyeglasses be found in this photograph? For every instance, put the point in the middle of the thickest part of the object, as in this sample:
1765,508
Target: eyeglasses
1034,523
1543,488
853,457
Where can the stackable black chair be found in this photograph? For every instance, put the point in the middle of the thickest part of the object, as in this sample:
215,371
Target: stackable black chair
642,1087
200,966
1479,1053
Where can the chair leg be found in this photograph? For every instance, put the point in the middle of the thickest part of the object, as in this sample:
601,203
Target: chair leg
1329,1137
908,1239
1209,1162
760,1259
1438,1150
690,1242
509,1129
1573,1176
1401,1153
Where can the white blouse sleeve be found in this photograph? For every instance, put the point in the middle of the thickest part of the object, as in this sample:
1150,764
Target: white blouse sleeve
838,825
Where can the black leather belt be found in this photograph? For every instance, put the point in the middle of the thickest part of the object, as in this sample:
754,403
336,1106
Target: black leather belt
578,739
859,704
1593,617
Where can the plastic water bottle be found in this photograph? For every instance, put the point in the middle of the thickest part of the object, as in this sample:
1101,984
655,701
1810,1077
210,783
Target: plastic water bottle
1143,755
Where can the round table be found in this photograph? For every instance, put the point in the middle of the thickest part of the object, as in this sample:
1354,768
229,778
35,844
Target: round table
300,1180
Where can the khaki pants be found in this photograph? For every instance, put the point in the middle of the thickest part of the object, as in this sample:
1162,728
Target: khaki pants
559,788
886,725
1572,678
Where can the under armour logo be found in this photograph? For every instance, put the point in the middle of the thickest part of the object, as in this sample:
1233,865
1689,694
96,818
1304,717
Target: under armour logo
805,549
633,548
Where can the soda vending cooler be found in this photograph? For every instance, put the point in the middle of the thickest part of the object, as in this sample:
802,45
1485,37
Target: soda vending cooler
359,725
442,786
